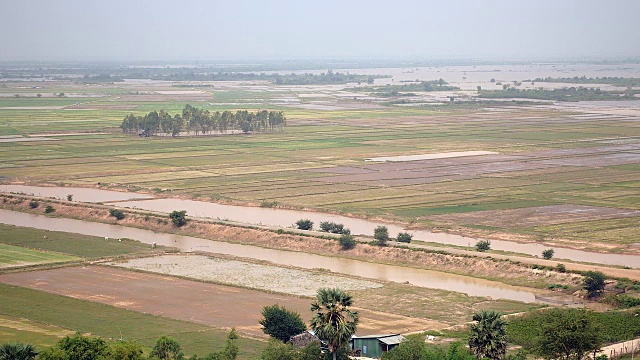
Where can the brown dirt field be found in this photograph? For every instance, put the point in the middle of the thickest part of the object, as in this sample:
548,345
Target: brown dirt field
210,304
537,216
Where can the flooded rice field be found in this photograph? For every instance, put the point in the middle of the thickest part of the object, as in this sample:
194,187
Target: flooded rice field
417,277
246,274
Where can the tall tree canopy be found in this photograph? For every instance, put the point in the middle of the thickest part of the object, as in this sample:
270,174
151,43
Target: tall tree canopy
488,337
334,323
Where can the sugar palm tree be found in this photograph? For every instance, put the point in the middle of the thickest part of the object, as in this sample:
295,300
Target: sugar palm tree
333,322
488,337
17,351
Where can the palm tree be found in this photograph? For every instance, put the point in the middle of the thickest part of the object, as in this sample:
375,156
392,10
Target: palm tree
17,351
488,337
333,322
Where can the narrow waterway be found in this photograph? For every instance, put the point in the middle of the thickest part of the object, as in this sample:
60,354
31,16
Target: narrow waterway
418,277
78,194
286,218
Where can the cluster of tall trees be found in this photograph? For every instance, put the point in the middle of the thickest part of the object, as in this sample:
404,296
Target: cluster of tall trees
201,121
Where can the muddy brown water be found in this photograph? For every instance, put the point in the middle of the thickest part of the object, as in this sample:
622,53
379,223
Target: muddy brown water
79,194
286,218
417,277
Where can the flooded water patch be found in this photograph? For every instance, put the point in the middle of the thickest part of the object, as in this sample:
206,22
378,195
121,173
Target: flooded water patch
367,270
431,156
78,194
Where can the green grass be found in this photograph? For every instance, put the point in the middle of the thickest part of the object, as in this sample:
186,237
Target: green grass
62,242
14,255
110,322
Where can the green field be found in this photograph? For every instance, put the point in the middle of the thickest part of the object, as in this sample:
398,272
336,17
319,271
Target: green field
79,246
283,167
65,313
16,255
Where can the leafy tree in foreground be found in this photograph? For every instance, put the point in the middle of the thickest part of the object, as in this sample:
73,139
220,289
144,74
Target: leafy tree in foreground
125,350
179,218
166,348
568,334
593,283
17,351
488,337
334,323
78,347
304,224
281,323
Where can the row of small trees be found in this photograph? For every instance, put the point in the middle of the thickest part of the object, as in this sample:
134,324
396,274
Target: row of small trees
201,121
380,233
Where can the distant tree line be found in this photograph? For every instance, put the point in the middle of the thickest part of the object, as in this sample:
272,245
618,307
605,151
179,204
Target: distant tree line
324,78
200,121
564,94
407,89
617,81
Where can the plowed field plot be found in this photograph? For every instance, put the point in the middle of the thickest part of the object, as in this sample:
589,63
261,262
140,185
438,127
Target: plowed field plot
245,274
541,215
198,302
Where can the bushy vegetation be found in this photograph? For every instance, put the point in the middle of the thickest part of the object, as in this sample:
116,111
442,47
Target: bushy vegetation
201,121
415,348
593,283
178,218
281,323
334,228
33,204
304,224
381,235
347,241
548,253
612,326
406,89
117,213
49,209
404,237
483,245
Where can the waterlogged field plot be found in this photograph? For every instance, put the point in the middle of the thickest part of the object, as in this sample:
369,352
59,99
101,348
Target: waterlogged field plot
12,256
244,274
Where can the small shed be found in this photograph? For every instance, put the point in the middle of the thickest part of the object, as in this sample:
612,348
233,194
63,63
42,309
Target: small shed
374,345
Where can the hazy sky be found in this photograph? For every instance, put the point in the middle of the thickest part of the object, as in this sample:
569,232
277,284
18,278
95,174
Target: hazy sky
244,29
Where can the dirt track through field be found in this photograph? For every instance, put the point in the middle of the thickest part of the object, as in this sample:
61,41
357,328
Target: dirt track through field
210,304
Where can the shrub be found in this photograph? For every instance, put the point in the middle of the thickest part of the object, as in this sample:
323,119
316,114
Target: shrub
304,224
561,268
70,197
334,228
33,204
483,245
404,237
347,241
381,234
281,323
116,213
593,283
548,253
627,301
179,218
49,209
